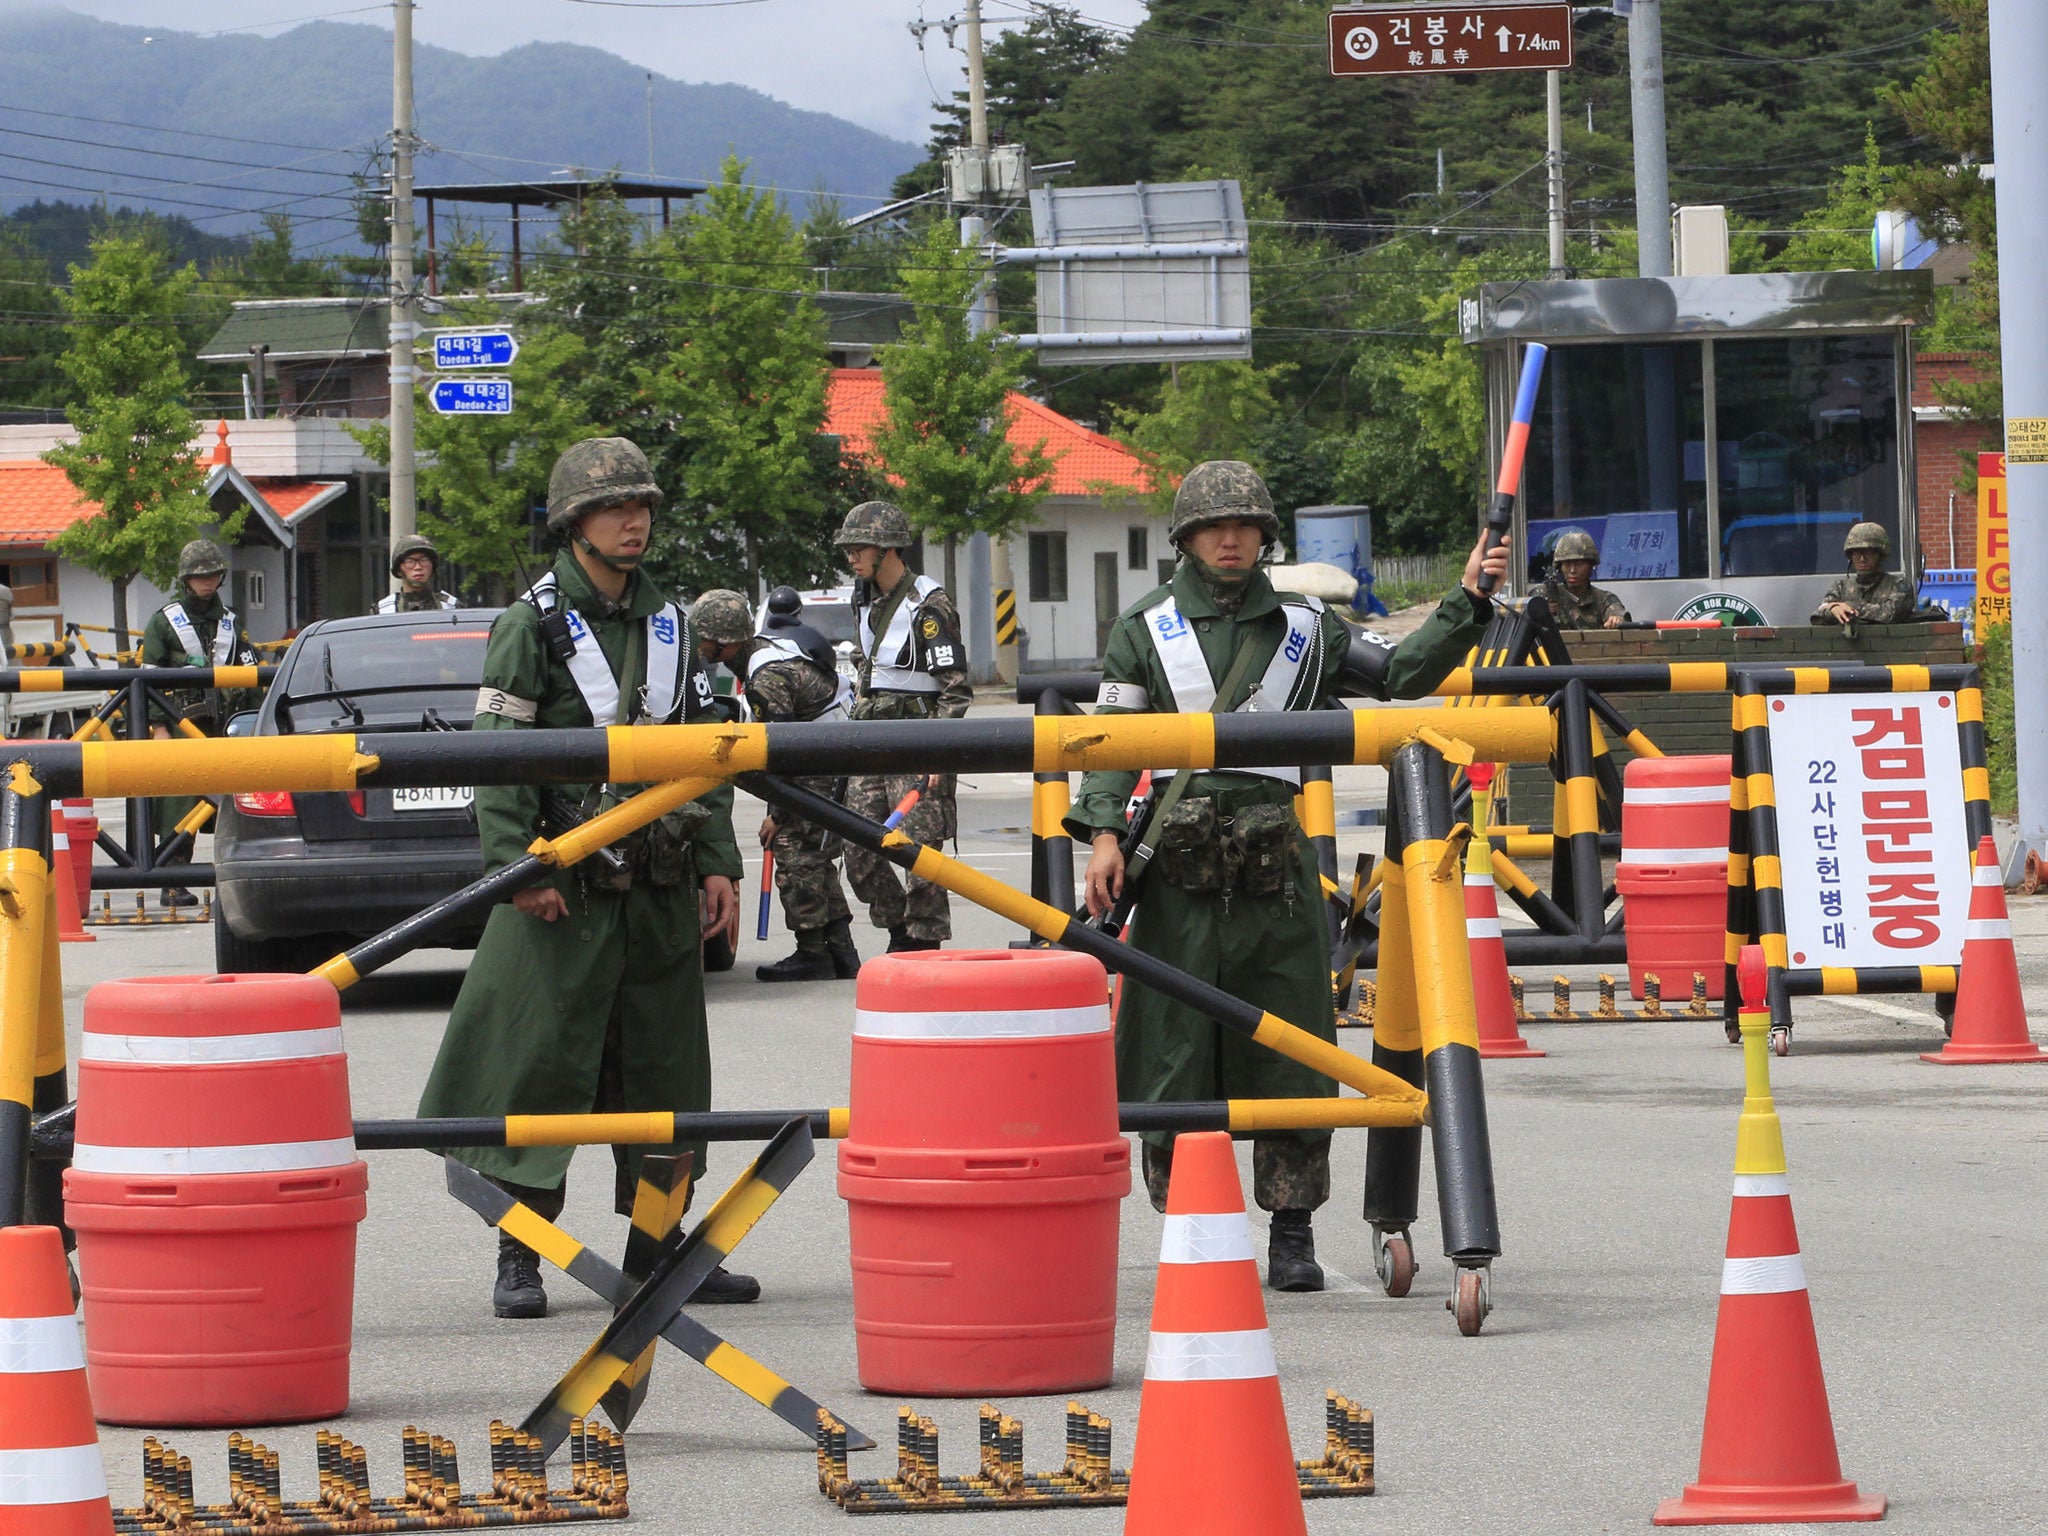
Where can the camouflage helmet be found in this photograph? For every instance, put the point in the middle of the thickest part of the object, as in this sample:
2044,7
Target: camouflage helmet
1222,491
1868,536
722,617
202,557
413,544
598,472
1576,544
880,523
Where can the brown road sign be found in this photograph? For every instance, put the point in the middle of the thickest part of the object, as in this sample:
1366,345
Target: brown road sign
1436,40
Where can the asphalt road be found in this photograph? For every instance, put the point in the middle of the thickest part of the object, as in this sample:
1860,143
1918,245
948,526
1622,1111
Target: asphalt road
1918,1192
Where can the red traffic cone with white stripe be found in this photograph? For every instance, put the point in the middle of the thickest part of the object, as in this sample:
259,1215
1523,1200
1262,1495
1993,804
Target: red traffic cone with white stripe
1768,1452
52,1481
64,884
1492,1001
1991,1016
1213,1457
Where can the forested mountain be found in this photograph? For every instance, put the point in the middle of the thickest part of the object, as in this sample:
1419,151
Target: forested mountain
260,122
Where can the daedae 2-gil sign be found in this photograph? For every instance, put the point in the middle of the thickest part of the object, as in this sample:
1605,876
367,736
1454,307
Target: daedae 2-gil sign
1430,40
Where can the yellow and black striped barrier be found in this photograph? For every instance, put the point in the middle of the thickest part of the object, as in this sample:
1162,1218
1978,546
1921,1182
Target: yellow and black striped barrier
678,1272
724,1360
1006,615
660,1196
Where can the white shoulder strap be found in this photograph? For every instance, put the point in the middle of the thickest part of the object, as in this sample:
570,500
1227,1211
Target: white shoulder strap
1187,670
188,637
665,634
388,603
1287,672
588,668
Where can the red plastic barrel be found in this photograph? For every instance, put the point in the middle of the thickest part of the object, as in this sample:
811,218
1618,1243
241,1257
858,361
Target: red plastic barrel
83,823
983,1173
215,1191
1673,875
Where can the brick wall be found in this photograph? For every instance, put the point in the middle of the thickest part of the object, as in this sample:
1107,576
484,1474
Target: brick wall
1944,453
1687,723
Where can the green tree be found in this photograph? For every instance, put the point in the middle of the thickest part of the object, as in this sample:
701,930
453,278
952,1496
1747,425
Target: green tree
946,393
133,454
31,330
743,380
1208,410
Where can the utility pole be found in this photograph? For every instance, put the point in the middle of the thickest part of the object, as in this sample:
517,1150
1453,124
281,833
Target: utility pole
404,495
1646,113
1553,101
2019,137
988,564
650,122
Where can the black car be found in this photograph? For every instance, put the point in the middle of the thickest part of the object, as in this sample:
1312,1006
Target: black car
300,877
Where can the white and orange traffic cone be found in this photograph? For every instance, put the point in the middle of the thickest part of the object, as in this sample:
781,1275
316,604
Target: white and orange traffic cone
52,1481
1493,1002
64,884
1212,1457
1991,1016
1767,1455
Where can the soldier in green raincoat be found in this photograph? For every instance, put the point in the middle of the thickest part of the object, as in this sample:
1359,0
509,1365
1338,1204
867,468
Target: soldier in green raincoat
195,629
1232,895
587,992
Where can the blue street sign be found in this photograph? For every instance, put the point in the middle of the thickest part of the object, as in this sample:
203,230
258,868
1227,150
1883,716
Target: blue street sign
471,397
474,349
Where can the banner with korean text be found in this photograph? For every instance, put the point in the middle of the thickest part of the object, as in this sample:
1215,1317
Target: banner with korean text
1994,547
1871,831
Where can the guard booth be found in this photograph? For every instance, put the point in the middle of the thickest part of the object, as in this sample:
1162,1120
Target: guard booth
1717,436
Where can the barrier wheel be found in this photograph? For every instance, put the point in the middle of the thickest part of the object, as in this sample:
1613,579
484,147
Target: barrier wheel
1471,1304
1395,1262
1781,1042
1734,1033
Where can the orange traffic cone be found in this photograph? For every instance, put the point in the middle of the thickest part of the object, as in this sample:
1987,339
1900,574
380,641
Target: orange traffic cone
1493,1003
1212,1457
1767,1454
1991,1016
52,1482
64,884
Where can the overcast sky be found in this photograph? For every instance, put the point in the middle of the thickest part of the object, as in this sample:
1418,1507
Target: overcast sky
853,58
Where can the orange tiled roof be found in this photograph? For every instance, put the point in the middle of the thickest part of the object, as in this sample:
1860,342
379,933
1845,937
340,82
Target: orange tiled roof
1083,461
37,503
286,497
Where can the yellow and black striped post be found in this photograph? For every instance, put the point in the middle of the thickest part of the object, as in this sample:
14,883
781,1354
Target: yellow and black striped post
26,946
660,1197
1006,615
1316,807
1741,925
1393,1157
1432,880
725,1360
677,1273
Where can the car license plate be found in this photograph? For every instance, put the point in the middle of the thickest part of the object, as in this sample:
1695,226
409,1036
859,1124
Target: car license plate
453,797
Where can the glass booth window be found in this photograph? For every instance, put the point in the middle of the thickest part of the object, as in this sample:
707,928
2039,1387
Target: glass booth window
1807,431
1633,473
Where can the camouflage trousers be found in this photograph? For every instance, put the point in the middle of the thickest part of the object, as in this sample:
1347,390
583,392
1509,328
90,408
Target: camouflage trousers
922,909
1287,1174
807,868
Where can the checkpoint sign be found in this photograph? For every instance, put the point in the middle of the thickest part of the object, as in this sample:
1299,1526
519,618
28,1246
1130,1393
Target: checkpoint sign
1437,40
471,397
474,349
1875,853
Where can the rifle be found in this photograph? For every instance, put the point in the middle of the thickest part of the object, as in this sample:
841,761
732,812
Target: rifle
1137,846
557,810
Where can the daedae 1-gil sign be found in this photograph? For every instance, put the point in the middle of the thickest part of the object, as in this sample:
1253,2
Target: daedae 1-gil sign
1431,40
1874,850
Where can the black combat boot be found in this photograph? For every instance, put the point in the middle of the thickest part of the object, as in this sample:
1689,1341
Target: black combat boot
178,896
811,962
1291,1254
518,1292
902,942
724,1287
839,944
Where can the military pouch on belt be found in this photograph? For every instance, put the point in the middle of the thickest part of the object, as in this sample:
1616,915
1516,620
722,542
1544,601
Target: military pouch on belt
659,853
1190,854
1262,845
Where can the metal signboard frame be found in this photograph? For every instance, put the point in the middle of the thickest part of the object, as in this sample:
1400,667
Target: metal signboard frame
1453,39
1151,272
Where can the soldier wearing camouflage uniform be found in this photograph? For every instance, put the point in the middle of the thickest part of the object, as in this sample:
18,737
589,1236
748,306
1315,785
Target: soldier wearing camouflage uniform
912,667
1575,603
415,562
1232,895
194,629
782,678
1868,594
586,992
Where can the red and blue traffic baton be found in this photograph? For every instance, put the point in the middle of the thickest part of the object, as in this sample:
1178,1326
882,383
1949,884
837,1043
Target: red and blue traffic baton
767,889
1501,515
